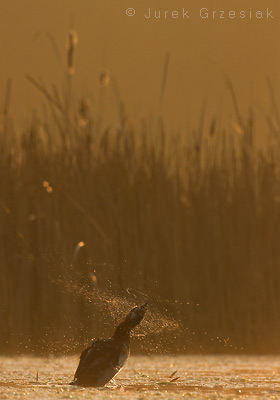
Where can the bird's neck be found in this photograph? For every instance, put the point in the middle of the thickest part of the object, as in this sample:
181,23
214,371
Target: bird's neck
122,331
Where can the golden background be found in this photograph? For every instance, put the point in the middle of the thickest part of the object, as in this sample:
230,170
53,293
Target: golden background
33,37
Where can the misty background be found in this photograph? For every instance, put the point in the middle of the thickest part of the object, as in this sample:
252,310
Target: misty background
149,183
133,49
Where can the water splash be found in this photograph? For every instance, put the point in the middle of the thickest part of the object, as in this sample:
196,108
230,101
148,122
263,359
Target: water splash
162,330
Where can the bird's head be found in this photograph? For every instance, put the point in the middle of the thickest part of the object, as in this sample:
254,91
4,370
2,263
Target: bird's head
135,316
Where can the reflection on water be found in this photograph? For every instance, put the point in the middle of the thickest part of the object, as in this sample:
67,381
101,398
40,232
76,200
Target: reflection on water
196,377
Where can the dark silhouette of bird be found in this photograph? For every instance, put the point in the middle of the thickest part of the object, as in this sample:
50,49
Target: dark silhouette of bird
101,361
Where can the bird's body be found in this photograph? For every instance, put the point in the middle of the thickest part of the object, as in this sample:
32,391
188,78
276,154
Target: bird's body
101,361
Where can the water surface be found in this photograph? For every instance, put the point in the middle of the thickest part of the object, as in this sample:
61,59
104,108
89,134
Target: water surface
199,377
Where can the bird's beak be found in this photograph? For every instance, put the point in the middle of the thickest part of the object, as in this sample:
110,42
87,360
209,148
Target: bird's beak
144,306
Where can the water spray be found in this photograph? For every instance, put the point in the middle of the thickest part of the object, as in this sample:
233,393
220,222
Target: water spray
135,292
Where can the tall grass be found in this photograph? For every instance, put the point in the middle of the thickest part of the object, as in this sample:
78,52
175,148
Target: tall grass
195,224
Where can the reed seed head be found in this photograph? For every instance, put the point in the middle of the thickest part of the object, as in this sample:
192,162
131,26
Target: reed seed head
70,46
104,78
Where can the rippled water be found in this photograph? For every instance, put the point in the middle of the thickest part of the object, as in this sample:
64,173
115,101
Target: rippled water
199,377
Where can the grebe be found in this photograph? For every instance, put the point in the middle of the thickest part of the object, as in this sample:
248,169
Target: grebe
101,361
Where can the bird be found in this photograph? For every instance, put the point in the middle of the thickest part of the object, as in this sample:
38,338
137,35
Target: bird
104,358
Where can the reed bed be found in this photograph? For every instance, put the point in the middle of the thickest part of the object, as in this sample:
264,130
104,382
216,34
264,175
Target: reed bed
87,212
